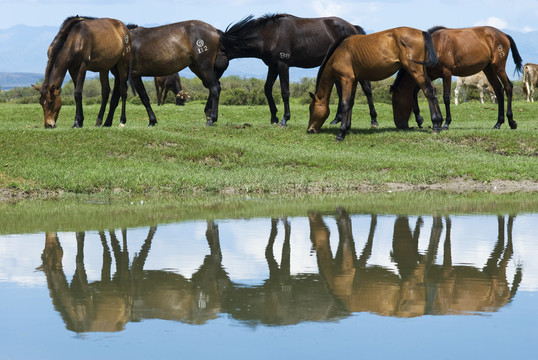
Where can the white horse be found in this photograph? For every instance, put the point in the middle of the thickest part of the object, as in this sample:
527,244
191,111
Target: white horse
478,81
530,80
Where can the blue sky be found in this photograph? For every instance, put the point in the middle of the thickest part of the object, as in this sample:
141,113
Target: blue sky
371,15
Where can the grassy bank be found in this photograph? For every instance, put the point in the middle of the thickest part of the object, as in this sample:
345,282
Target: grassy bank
243,153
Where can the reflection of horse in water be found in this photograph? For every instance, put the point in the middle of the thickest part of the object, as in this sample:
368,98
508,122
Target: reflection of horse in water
345,283
283,299
132,293
421,287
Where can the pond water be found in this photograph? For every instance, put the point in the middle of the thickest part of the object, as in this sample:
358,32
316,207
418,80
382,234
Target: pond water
318,284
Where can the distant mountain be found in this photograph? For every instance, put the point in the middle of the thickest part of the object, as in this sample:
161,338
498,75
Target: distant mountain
23,49
12,80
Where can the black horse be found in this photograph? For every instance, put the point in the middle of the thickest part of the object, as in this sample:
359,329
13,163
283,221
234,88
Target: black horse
283,41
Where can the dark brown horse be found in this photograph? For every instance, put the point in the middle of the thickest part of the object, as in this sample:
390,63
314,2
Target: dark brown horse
461,52
373,57
164,84
167,49
86,44
283,41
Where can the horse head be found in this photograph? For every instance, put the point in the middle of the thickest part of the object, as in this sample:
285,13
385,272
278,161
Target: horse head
402,100
319,112
51,102
181,97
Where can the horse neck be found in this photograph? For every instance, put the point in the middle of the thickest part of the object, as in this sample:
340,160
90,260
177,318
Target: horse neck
245,51
56,71
325,87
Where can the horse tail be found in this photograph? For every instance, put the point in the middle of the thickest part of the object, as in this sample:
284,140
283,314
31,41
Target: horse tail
431,56
330,53
515,54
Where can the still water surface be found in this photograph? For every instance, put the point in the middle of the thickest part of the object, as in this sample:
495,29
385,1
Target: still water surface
324,284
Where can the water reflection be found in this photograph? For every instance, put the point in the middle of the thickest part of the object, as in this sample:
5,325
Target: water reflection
345,282
421,287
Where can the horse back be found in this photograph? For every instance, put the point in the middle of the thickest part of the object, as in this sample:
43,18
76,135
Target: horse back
466,51
177,45
100,42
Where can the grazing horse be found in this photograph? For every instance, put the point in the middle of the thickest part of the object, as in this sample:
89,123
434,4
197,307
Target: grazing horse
461,52
164,84
373,57
283,41
478,81
86,44
167,49
530,80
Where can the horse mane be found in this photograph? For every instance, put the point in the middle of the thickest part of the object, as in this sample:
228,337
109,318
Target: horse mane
61,38
359,29
132,26
435,28
245,32
330,53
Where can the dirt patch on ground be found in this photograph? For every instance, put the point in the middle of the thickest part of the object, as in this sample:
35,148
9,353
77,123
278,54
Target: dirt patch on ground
456,186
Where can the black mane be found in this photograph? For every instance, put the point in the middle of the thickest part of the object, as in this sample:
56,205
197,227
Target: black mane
245,33
435,28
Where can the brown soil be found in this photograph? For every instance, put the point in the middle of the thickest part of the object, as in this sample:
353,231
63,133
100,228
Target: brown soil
456,186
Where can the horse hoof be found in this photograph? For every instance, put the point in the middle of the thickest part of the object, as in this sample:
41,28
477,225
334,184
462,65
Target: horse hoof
445,127
497,126
513,125
339,139
151,124
122,125
209,123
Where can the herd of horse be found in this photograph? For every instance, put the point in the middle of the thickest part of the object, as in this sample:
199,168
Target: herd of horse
345,54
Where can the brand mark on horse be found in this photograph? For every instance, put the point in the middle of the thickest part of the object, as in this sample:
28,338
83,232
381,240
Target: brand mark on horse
202,48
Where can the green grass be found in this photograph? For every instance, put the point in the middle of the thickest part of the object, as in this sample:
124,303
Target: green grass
243,153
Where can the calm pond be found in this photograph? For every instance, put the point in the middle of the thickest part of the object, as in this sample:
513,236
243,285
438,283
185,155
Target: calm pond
91,279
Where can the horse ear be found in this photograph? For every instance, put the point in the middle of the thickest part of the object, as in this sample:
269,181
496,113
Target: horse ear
313,96
36,87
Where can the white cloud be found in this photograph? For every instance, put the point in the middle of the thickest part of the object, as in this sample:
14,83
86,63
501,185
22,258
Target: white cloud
493,21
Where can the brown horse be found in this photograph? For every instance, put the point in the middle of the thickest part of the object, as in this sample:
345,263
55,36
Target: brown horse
461,52
373,57
167,49
164,84
86,44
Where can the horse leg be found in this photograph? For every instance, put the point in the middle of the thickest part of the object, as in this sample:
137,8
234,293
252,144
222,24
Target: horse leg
141,90
79,78
338,116
165,91
447,84
105,93
123,75
425,84
159,93
349,88
212,104
284,74
114,100
416,109
493,78
367,89
272,74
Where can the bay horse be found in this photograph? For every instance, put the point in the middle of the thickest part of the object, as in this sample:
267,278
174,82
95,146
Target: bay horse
461,52
167,49
283,41
164,84
373,57
83,44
